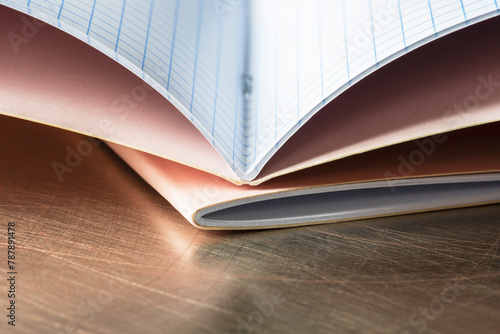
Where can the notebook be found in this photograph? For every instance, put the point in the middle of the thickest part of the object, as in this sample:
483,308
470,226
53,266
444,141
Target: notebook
252,114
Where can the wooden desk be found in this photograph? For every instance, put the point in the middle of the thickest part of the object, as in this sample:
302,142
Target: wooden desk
102,252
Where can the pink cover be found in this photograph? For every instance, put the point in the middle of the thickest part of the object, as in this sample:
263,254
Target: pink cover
465,151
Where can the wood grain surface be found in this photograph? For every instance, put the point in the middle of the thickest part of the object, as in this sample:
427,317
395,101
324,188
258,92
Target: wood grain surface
102,252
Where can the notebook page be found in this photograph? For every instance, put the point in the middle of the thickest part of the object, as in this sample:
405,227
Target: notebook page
191,51
301,54
305,53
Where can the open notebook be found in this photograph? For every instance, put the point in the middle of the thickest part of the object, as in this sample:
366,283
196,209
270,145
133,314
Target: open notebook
250,76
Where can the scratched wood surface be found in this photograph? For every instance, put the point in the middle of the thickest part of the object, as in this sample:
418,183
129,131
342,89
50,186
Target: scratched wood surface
102,252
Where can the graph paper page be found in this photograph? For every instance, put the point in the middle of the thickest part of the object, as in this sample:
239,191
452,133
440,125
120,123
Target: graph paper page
191,51
305,53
